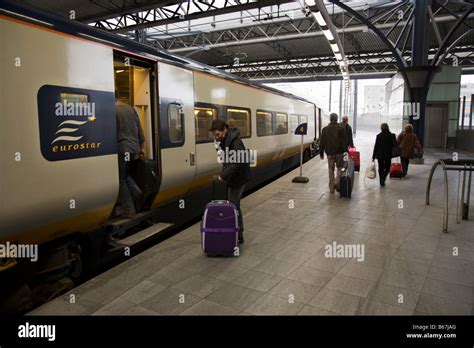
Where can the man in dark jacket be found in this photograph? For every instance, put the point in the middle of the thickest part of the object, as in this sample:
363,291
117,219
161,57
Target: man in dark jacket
384,144
348,129
333,141
236,165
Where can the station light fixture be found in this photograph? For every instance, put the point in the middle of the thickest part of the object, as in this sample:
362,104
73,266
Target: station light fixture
334,47
318,10
320,19
328,35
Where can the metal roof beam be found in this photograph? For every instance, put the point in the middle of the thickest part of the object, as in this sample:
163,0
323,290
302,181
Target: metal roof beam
286,37
173,14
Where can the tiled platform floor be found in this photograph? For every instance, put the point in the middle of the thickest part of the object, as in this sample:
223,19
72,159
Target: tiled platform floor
409,266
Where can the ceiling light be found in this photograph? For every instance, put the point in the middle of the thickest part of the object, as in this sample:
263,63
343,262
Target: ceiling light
328,35
311,2
334,47
320,19
338,56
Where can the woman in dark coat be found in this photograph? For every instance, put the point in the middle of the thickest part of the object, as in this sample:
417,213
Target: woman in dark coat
383,151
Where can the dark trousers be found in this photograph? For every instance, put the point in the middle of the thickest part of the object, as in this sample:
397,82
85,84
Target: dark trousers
234,194
128,189
384,168
405,162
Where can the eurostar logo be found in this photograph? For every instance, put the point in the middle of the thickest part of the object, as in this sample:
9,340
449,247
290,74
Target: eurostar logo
76,122
65,131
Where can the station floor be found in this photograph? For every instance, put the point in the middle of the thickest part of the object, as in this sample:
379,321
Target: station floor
410,267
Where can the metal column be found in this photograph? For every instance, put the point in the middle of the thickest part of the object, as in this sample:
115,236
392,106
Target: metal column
354,121
419,58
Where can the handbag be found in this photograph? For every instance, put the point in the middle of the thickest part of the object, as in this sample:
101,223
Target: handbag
370,172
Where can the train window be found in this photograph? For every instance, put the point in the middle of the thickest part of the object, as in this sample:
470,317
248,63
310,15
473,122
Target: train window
264,123
204,118
282,123
175,123
239,118
293,122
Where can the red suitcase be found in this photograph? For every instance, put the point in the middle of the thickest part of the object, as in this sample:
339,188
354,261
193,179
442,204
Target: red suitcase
355,156
396,170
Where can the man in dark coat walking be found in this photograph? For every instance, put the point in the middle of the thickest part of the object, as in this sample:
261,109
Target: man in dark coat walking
235,169
345,124
333,142
384,144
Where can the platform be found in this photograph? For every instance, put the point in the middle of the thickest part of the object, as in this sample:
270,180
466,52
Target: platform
408,266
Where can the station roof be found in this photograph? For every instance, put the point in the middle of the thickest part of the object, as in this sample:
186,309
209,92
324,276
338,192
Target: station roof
271,40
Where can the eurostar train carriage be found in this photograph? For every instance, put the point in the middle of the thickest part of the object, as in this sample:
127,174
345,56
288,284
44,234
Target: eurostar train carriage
59,167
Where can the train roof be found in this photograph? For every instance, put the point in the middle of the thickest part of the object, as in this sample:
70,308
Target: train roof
88,32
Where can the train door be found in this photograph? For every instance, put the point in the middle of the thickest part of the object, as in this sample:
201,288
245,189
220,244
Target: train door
135,85
177,131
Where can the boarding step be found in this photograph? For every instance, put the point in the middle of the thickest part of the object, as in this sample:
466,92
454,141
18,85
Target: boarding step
140,236
125,223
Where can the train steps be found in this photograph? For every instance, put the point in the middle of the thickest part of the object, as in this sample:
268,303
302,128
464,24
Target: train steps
131,232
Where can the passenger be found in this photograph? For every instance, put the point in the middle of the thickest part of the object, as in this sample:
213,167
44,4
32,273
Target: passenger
408,142
383,148
333,141
237,174
131,146
348,129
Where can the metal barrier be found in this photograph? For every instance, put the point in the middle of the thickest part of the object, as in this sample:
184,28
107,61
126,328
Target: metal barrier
461,165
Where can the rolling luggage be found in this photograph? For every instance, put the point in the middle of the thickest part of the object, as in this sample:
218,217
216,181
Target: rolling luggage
355,156
396,170
220,227
346,181
143,172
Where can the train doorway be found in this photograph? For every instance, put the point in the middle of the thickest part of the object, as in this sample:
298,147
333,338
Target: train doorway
135,85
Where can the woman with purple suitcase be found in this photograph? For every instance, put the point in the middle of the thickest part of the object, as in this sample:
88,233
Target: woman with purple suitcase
235,172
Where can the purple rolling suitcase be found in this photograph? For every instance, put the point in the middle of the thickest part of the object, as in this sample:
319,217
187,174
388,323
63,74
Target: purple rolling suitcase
220,227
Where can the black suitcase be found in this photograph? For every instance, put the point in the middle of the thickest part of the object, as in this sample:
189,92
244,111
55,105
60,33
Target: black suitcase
346,181
143,172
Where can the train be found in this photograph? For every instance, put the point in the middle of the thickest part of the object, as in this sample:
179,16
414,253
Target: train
59,169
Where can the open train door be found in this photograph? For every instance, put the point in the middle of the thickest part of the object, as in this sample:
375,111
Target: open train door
135,85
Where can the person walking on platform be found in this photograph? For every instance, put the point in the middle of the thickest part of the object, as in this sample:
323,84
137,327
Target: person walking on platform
408,143
348,129
383,148
236,173
334,142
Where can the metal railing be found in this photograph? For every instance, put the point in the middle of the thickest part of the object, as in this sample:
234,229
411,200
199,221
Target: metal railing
461,165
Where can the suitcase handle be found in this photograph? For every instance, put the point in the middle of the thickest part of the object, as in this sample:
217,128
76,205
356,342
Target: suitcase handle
215,178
